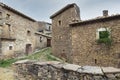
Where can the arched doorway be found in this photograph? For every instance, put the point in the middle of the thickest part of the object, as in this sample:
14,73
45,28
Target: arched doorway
28,49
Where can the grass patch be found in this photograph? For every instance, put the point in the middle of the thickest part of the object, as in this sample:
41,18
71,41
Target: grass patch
42,55
6,63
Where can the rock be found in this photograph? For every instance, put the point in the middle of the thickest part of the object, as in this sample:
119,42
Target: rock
48,62
110,70
90,70
111,76
24,61
71,67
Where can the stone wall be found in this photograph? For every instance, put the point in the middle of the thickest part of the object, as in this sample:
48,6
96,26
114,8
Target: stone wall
15,27
76,41
8,53
86,50
52,70
18,31
61,40
41,41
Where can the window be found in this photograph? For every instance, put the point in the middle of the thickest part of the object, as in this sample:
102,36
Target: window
40,39
49,28
10,47
0,15
59,22
28,33
9,27
95,61
101,31
103,35
7,16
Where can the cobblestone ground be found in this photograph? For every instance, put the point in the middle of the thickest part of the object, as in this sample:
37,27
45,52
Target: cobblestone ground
6,74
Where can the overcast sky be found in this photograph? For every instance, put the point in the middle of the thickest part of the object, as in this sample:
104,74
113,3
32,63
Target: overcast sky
41,10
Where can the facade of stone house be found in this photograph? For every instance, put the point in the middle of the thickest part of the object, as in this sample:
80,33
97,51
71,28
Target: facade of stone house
45,29
42,41
61,42
84,47
17,33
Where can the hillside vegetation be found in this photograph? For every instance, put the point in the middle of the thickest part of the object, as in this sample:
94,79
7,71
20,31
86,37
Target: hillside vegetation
42,55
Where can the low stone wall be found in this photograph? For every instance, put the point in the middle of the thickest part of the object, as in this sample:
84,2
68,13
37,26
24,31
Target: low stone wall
52,70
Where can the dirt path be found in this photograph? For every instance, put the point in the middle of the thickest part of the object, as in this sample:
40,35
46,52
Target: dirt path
6,74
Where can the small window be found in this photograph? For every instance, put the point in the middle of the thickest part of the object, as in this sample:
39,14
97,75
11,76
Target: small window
0,13
9,27
28,33
95,61
10,47
40,39
49,28
7,16
103,35
59,22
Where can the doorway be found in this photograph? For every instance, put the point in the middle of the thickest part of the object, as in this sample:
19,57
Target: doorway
28,49
48,42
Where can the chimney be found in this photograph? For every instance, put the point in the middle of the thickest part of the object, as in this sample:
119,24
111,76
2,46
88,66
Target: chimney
105,13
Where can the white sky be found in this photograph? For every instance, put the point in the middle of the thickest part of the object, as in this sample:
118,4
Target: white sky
41,10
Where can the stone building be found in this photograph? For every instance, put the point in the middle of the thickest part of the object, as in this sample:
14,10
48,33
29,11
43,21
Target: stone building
45,28
18,33
61,43
90,42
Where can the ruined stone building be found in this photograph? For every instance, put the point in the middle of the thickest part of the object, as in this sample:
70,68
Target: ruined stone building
89,42
19,34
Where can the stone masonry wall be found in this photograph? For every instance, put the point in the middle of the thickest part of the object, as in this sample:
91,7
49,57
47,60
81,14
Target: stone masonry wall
41,42
52,70
61,40
17,29
86,50
18,32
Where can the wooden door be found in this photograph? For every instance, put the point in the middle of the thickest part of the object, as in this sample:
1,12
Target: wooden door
48,42
28,49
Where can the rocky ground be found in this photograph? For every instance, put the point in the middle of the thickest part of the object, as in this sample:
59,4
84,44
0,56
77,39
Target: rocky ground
6,74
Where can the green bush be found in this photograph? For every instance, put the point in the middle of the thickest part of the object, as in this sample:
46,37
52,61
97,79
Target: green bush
104,37
107,41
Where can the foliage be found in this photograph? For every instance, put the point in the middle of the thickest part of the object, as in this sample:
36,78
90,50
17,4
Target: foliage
6,63
104,34
104,37
106,41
